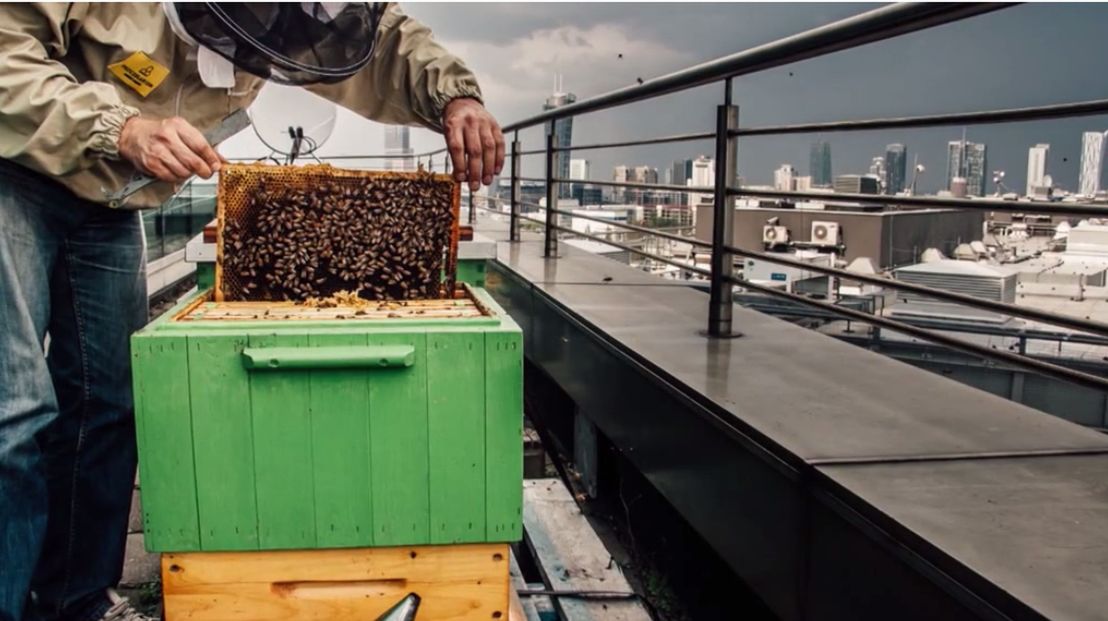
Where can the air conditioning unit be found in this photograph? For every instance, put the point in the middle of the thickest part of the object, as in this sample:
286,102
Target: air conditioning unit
775,235
825,233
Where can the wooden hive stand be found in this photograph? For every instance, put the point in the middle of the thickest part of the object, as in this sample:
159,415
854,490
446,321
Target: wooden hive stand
455,582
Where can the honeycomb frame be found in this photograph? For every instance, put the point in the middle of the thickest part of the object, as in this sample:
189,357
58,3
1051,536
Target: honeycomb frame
239,183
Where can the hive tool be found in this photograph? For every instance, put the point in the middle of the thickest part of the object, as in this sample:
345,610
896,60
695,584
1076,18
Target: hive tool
404,610
229,126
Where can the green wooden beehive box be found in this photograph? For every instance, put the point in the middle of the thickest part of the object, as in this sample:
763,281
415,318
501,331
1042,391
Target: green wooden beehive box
277,427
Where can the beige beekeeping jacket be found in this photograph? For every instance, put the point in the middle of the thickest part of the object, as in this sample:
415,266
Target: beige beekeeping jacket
61,109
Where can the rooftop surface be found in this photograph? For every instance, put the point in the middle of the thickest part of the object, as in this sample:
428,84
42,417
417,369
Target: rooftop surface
1014,496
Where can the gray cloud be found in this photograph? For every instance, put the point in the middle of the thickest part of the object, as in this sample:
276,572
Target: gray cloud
1028,55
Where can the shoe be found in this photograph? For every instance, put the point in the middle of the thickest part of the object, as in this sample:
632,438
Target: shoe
122,610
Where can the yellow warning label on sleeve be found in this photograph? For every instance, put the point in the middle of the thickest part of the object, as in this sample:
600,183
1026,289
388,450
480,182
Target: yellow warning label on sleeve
140,72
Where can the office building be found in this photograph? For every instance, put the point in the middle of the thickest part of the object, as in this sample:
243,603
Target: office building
820,163
587,194
877,171
958,187
967,160
1092,162
680,172
783,178
896,168
579,169
398,147
563,134
703,175
856,184
646,174
1036,168
803,184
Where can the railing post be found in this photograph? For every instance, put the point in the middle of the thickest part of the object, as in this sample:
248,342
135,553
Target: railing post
513,219
721,296
550,242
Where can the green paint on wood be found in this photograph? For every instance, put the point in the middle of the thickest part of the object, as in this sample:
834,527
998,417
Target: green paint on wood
331,357
398,446
205,276
165,443
456,435
220,391
327,456
340,450
504,434
471,272
279,404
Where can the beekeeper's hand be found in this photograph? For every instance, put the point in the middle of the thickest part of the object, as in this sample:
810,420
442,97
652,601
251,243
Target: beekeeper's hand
474,140
169,149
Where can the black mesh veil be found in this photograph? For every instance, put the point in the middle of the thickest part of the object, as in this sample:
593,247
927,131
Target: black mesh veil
290,43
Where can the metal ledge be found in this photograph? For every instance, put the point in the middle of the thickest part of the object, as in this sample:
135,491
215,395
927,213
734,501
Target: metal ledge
777,448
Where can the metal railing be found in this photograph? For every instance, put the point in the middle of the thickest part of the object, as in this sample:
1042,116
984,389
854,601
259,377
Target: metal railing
879,24
876,25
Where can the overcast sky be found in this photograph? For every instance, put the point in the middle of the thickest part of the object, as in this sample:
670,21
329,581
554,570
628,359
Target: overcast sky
1028,55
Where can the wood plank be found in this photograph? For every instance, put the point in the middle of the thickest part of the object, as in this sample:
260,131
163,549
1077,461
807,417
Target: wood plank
398,439
504,433
160,367
220,393
279,403
340,450
456,435
571,556
455,582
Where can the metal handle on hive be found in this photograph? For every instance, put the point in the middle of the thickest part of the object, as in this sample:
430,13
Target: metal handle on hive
336,357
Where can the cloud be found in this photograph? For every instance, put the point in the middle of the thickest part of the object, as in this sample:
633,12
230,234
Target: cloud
517,75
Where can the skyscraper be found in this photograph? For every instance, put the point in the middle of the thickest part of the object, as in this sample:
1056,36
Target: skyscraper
896,168
621,174
1092,162
703,176
783,178
819,164
680,172
1036,167
646,174
877,171
398,144
563,134
579,169
967,160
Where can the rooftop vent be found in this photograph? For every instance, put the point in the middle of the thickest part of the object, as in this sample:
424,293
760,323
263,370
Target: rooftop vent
980,280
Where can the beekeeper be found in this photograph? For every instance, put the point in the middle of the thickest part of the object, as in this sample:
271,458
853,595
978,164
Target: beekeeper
88,93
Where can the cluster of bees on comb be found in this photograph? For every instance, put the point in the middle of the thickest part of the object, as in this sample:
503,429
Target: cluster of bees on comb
383,238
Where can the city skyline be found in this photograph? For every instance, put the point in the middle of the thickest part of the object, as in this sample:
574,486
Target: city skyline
544,40
584,45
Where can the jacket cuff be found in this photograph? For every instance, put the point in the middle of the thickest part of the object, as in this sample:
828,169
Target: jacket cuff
454,89
107,129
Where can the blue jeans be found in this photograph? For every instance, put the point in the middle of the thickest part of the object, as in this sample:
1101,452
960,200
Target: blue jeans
75,271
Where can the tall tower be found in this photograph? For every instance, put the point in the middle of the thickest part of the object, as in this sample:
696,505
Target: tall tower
398,145
1036,167
966,160
820,163
563,134
896,167
1092,162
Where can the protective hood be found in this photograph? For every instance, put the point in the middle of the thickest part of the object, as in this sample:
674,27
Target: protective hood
291,43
